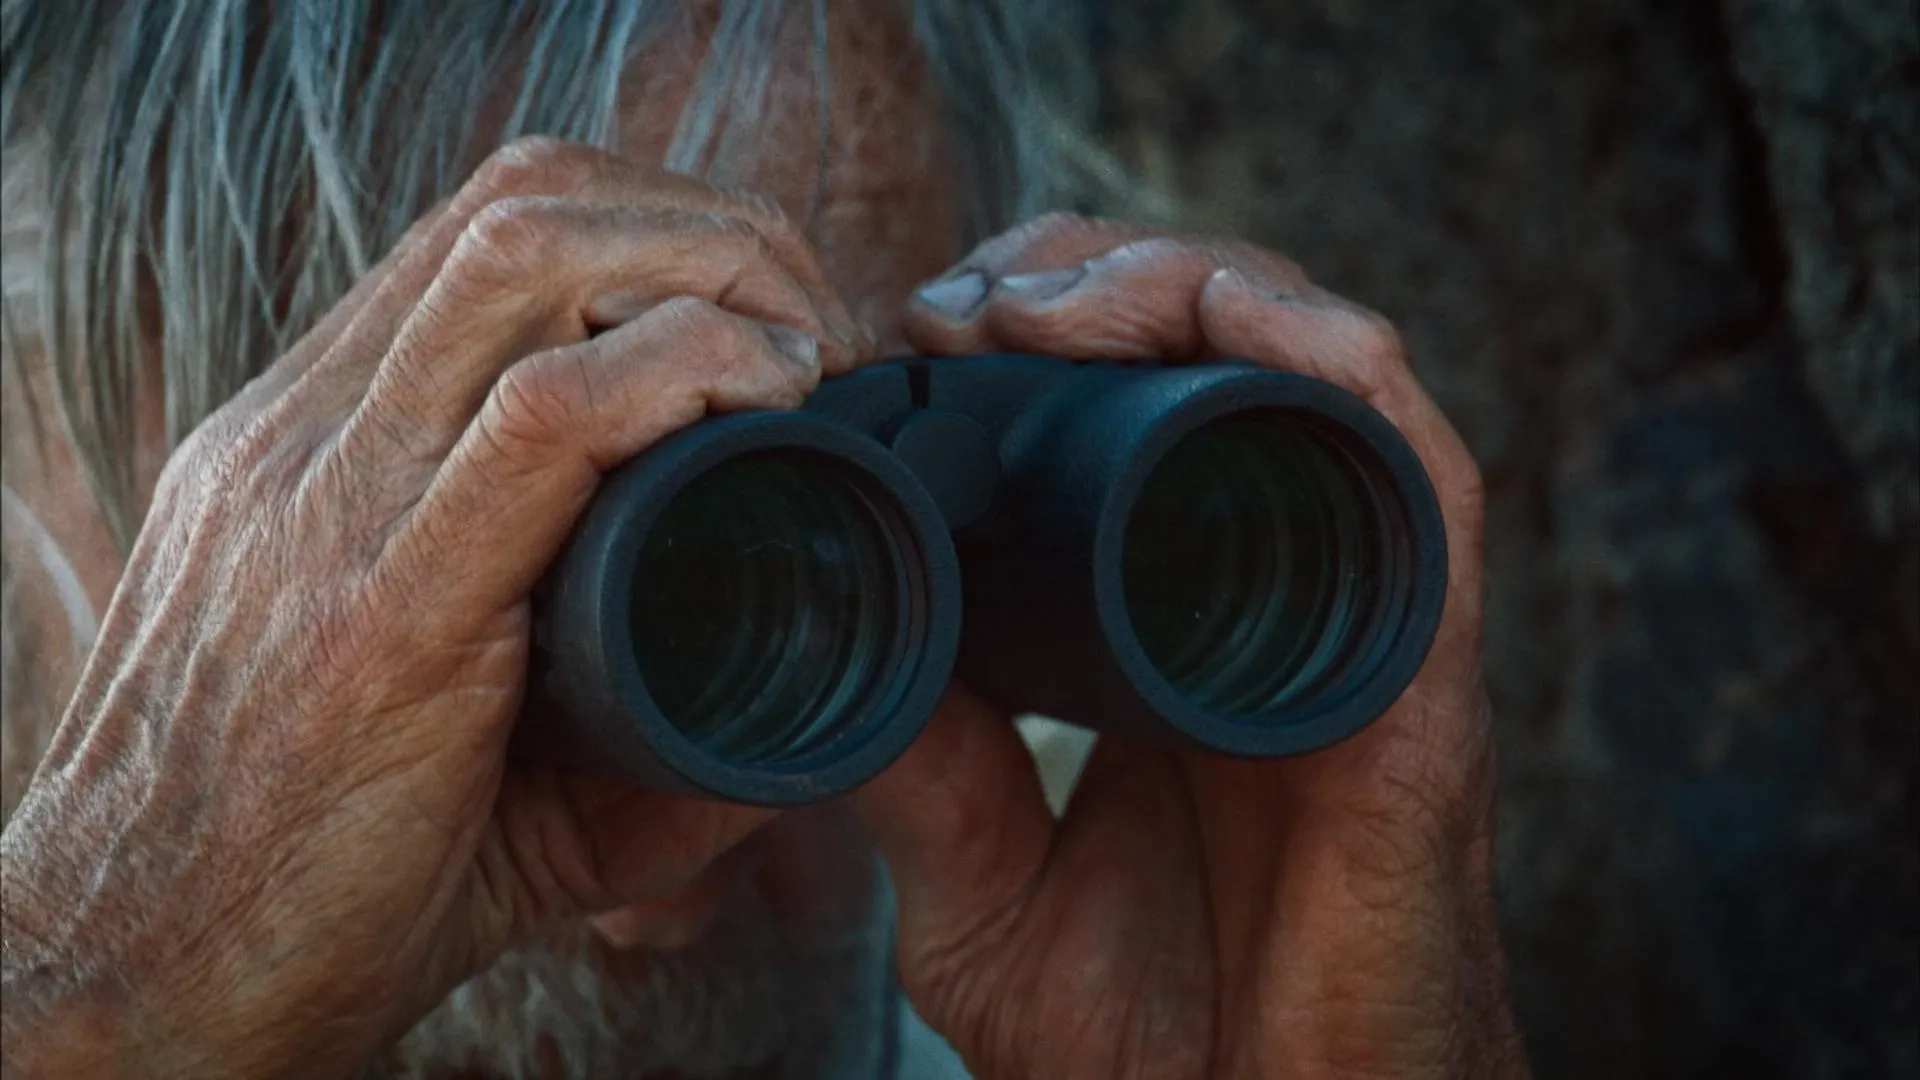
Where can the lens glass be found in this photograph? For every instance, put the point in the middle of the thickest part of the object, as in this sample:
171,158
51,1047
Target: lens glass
771,606
1254,563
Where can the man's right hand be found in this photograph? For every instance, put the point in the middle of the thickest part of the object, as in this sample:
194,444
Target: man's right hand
277,822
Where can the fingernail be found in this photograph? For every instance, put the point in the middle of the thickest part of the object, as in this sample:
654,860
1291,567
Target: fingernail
797,346
1229,277
1239,281
867,315
847,331
956,298
614,309
1044,285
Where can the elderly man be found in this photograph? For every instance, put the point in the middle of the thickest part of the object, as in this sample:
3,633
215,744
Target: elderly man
273,511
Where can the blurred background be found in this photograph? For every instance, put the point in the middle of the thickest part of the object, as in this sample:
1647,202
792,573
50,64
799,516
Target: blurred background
1660,262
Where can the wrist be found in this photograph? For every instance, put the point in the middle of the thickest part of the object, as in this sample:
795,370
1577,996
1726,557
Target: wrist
73,1005
1396,966
56,1018
83,995
68,1035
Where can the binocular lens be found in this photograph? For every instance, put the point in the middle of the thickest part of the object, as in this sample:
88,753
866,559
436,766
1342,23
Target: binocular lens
772,606
767,607
1256,564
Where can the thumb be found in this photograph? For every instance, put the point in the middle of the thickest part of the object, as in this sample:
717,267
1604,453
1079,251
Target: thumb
965,829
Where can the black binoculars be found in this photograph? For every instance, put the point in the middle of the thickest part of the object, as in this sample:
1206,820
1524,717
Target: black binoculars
767,607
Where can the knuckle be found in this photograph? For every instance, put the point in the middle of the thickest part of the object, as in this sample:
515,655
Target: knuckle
713,337
1379,341
533,164
772,224
1028,234
256,442
532,404
566,381
1055,222
731,359
1371,349
765,233
216,496
358,503
265,463
223,453
504,244
203,444
1055,234
763,207
741,231
1081,230
181,478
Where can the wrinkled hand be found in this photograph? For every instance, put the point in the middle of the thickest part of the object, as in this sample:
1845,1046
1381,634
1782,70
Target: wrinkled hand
277,823
1193,915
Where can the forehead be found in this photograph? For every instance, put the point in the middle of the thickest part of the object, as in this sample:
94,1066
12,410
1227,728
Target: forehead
835,117
798,108
838,120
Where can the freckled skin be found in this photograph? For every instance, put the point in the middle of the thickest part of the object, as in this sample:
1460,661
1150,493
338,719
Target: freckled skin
274,835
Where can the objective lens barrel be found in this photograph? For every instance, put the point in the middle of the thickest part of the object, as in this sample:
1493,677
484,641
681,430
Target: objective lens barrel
1221,557
766,607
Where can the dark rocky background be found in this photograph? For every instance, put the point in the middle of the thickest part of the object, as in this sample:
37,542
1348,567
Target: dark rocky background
1658,261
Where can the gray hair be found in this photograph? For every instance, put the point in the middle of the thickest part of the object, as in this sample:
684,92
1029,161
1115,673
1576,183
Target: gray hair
219,171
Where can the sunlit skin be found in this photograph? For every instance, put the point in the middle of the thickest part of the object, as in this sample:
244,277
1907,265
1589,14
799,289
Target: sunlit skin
271,834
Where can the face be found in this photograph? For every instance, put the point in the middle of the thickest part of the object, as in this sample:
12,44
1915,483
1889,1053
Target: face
770,965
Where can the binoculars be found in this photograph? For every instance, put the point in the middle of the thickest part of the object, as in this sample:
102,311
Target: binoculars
767,607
